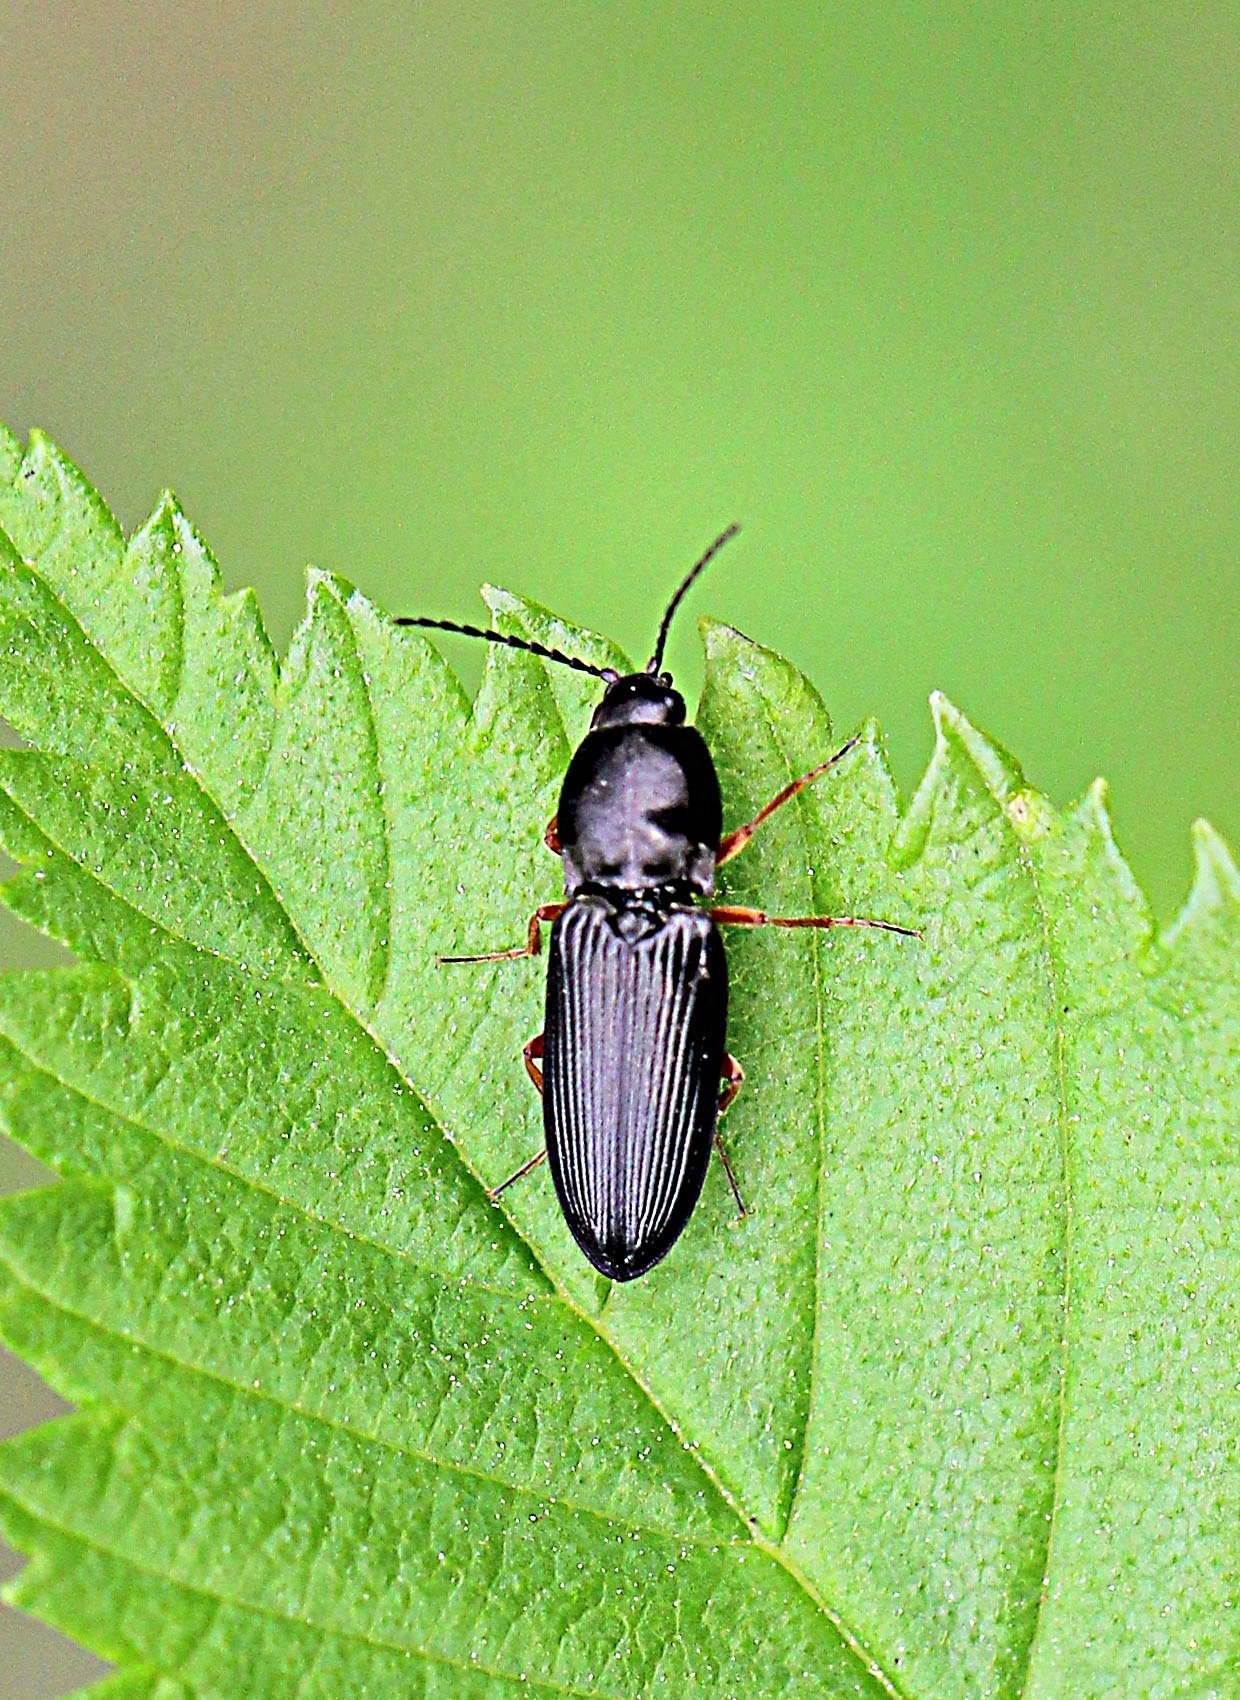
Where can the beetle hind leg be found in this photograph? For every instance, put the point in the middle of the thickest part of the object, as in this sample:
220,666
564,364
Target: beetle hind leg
732,1074
516,1174
532,1052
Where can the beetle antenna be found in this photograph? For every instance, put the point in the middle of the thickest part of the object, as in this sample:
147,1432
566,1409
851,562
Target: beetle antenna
607,674
656,660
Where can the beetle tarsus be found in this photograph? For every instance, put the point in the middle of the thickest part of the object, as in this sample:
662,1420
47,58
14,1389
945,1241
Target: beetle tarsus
742,1212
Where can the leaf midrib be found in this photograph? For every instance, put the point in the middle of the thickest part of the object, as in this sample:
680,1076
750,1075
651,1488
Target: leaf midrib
1056,985
773,1549
796,1471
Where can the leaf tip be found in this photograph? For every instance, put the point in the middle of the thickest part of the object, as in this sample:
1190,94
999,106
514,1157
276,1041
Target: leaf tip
43,455
502,601
1216,882
999,770
724,642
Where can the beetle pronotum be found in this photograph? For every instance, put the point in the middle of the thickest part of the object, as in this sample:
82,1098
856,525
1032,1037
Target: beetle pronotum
632,1064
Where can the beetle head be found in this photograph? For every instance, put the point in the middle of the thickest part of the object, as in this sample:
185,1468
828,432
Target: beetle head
640,699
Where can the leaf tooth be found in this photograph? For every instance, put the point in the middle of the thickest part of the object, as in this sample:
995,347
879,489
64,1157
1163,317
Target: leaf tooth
154,576
1216,873
962,752
10,454
532,619
872,755
575,694
47,507
321,582
214,688
723,642
1085,849
1214,897
1092,816
201,584
139,1682
999,770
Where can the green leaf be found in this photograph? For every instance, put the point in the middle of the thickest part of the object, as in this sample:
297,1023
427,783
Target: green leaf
952,1413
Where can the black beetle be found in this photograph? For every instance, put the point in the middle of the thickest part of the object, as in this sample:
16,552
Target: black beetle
634,1071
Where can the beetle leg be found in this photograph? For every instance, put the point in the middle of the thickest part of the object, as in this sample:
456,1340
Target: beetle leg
727,1169
517,1174
551,838
533,942
732,1074
736,841
532,1053
734,917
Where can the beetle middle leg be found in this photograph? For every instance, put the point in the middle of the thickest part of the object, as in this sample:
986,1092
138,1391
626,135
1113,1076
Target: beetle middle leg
733,1074
730,916
533,942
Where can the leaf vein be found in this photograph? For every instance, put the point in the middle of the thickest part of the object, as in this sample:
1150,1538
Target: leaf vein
397,1449
399,1253
221,1602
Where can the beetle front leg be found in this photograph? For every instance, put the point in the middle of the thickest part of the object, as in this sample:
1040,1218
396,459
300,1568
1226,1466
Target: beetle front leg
728,916
533,942
736,841
733,1075
551,838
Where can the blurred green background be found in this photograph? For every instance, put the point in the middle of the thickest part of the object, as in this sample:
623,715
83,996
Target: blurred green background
941,301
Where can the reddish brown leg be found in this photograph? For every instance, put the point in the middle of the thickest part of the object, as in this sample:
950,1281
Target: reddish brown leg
730,917
733,1074
736,841
517,1174
551,838
532,1053
532,945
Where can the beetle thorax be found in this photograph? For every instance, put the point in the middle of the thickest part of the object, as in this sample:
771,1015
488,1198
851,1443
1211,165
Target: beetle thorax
639,810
